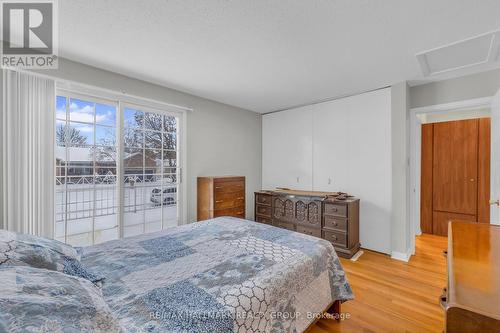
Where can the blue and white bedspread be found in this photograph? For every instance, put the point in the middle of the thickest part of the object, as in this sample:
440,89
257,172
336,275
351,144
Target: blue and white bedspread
221,275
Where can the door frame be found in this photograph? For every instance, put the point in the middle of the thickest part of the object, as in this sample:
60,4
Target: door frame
415,141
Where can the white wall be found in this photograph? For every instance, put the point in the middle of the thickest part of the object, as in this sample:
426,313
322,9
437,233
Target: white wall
478,85
401,243
221,139
351,152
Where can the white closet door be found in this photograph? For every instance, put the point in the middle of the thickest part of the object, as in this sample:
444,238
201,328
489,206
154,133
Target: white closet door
331,146
352,153
287,149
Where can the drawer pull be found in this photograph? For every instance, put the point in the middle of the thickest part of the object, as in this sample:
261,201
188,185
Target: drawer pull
335,223
239,213
240,198
219,201
334,237
445,253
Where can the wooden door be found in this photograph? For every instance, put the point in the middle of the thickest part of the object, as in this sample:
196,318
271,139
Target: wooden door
455,173
426,179
455,166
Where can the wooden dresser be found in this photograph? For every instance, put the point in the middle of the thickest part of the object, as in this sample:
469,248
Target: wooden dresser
312,213
472,299
221,196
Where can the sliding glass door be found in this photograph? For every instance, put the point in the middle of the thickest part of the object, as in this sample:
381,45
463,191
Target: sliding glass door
117,169
150,175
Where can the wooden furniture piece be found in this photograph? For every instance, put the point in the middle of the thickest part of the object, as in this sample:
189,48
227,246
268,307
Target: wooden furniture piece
472,299
221,196
455,179
313,213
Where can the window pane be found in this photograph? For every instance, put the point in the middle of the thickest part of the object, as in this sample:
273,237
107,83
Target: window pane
153,121
153,159
80,134
80,156
133,157
169,179
133,118
105,157
61,107
105,136
169,124
168,170
86,167
105,179
133,138
169,141
169,158
105,114
105,171
61,132
81,111
152,139
80,171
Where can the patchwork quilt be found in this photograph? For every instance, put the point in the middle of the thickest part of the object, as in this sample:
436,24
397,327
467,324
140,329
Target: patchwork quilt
221,275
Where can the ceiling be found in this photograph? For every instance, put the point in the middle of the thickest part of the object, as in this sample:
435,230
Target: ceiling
266,55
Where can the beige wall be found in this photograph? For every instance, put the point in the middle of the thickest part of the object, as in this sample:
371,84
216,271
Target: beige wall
221,139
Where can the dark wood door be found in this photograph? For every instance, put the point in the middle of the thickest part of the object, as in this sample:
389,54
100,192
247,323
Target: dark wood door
455,173
455,159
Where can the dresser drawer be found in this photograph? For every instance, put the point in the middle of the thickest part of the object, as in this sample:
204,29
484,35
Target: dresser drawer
309,231
235,211
228,187
264,219
263,199
263,210
229,200
284,225
336,209
335,223
335,237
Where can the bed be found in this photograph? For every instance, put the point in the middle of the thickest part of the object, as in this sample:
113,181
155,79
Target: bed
220,275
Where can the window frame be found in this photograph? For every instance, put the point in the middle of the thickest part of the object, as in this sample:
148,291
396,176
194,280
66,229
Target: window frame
122,101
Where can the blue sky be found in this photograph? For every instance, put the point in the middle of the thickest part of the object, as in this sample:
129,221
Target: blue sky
82,114
83,111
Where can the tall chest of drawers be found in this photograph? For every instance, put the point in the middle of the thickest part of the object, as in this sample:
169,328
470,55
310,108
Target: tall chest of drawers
312,213
221,196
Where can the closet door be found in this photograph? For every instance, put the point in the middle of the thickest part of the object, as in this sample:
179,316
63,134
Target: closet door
287,149
352,153
332,148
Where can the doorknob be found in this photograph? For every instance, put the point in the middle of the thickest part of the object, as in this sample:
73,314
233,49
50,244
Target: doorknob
495,202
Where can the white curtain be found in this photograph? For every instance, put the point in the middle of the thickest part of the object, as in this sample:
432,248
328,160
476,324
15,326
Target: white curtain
28,170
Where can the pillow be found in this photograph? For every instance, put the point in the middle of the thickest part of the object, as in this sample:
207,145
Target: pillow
40,300
26,250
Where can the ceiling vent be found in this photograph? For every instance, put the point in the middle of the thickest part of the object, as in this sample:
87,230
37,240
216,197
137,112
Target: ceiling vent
465,53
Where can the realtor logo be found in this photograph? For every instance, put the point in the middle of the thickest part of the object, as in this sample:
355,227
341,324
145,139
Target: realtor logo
29,34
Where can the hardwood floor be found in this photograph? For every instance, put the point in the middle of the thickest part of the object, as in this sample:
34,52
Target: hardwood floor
394,296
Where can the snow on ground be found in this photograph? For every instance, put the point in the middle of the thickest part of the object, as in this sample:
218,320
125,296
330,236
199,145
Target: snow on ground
84,213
